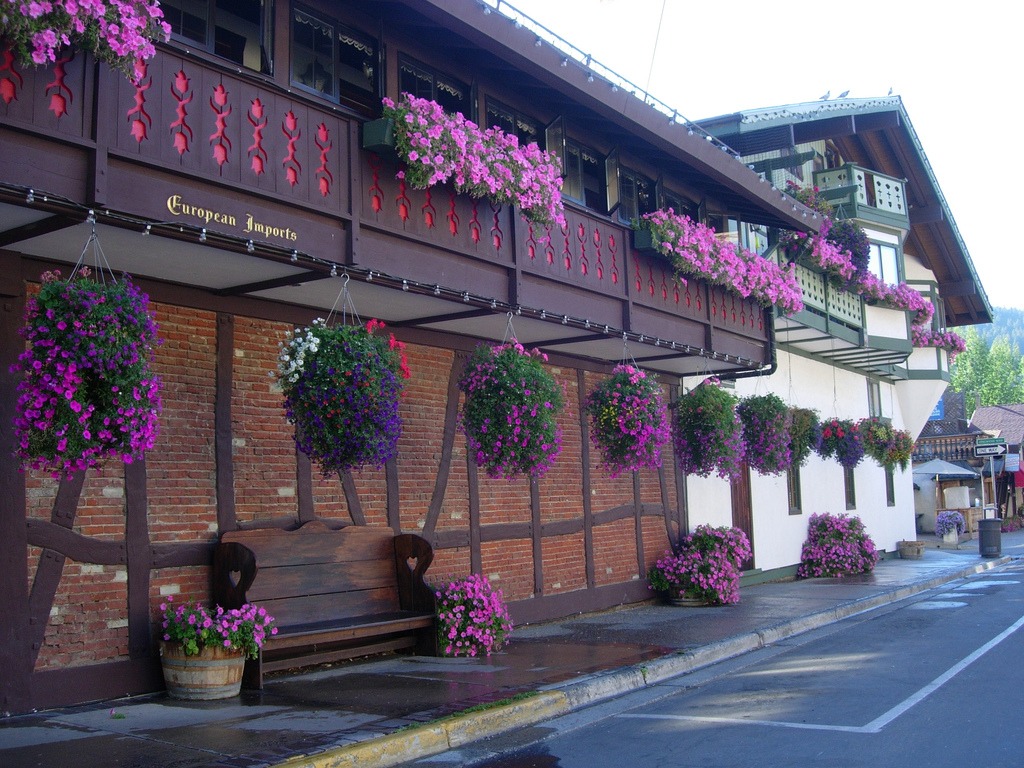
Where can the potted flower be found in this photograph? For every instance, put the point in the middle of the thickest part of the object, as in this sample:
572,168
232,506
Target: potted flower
804,434
766,439
87,392
438,147
342,386
706,433
949,524
472,618
703,569
888,446
509,412
115,33
202,652
836,545
841,440
628,420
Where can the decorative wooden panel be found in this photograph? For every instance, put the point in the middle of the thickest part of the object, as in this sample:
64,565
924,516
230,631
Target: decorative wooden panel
56,99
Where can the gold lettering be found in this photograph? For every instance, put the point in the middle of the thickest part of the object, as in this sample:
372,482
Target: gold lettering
182,209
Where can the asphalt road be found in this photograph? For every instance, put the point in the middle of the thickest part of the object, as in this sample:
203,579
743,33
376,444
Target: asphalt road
935,680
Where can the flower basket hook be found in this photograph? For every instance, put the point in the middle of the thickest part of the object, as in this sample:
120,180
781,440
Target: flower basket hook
344,298
99,258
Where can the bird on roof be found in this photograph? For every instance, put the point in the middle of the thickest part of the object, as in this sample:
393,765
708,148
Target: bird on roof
825,96
844,94
890,91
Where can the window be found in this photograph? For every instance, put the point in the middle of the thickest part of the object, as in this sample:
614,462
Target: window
334,61
793,487
514,123
851,491
883,262
426,83
584,177
237,30
874,399
636,195
890,488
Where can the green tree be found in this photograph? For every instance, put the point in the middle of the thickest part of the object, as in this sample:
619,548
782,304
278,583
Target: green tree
971,369
1002,385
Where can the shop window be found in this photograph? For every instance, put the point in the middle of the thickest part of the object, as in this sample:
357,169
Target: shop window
237,30
514,123
426,83
884,261
793,488
636,195
335,61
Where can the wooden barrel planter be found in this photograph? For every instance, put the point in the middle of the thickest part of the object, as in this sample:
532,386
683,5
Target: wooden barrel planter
911,550
213,673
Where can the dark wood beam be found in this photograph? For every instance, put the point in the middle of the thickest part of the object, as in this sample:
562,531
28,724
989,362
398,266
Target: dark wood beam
278,282
958,288
36,229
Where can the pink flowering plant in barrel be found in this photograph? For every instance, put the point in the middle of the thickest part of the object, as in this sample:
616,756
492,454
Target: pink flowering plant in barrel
836,545
472,618
766,440
117,32
628,420
705,565
194,627
342,386
707,435
87,391
509,412
439,147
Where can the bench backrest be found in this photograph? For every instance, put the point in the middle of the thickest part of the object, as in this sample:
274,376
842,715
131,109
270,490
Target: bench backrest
314,573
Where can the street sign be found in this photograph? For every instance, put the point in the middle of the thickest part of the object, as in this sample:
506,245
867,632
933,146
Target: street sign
989,446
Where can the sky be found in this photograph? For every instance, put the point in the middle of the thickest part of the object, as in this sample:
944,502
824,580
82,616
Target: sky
957,68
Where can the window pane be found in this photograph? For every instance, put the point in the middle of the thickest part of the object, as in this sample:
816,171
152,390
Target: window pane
356,68
188,18
793,487
452,94
238,32
415,81
573,186
500,116
627,196
313,53
851,491
883,262
890,488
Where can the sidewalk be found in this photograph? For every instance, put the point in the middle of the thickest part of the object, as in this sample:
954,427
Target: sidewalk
387,711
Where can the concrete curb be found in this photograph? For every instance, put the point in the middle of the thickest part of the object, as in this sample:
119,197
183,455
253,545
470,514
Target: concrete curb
458,730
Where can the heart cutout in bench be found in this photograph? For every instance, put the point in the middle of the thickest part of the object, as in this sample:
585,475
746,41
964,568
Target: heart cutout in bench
235,577
412,562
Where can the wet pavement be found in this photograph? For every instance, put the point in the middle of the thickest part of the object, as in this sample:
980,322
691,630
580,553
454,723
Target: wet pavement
386,710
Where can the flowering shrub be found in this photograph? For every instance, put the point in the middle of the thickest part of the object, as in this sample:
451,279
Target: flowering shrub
950,341
508,415
342,385
766,440
697,252
836,545
804,434
706,433
472,619
948,521
87,391
841,440
194,627
704,565
628,420
116,31
888,446
438,147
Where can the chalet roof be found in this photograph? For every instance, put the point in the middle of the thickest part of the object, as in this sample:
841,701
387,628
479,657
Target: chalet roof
875,133
558,78
1001,421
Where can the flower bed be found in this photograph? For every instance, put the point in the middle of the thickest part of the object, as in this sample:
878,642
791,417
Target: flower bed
509,412
706,433
342,386
836,545
766,439
472,619
628,420
704,565
439,147
841,440
87,391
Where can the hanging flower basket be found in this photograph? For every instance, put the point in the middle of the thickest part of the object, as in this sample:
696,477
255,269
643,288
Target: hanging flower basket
841,440
706,433
628,421
342,385
87,391
888,446
509,412
804,434
765,420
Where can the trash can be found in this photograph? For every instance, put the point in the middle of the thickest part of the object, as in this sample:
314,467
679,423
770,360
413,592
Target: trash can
989,537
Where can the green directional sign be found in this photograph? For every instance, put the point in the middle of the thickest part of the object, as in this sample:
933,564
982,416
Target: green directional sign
989,446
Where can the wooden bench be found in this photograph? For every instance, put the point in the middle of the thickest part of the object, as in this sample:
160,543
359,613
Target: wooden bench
334,594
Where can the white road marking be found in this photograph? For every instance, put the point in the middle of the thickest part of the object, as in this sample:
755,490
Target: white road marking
876,725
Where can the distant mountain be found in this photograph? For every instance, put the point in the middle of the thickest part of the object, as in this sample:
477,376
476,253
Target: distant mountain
1006,322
